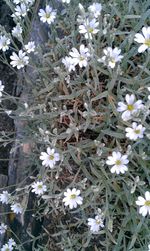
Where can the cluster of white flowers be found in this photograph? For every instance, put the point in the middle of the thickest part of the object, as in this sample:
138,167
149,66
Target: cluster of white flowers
80,58
130,110
6,198
9,246
21,59
21,9
89,21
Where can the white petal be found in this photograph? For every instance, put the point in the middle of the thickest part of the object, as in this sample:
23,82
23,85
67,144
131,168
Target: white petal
142,48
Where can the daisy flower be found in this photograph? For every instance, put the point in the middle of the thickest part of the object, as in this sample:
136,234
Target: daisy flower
39,188
17,31
30,47
96,223
118,162
5,197
49,158
48,15
144,204
11,242
9,246
69,63
111,57
21,10
89,28
4,43
16,208
6,247
143,39
130,108
95,9
80,57
149,247
3,228
72,198
19,60
136,132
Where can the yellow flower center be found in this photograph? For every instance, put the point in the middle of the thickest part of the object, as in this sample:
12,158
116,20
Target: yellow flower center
118,162
137,131
98,222
51,157
47,15
40,186
90,30
81,58
147,203
73,196
130,107
147,42
112,60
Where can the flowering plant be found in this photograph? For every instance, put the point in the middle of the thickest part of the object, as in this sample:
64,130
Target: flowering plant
84,109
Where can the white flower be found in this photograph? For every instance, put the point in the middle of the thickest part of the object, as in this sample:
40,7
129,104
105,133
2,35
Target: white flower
144,204
143,39
149,247
3,228
96,223
89,28
136,132
81,57
11,242
118,162
95,9
30,47
16,208
69,63
112,56
48,15
72,198
39,188
5,197
9,246
6,247
19,60
21,10
17,31
130,108
65,1
49,158
4,43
